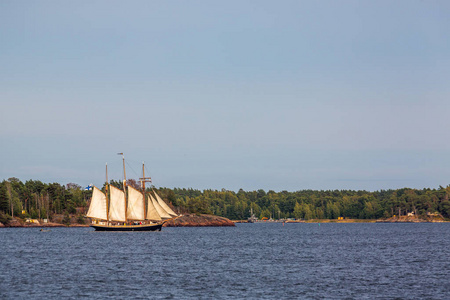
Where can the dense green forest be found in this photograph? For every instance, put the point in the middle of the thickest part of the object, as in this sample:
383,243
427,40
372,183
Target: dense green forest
44,200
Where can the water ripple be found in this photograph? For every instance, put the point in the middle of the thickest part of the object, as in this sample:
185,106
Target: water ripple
343,261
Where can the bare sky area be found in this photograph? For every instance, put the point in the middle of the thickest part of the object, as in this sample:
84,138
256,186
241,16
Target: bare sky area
281,95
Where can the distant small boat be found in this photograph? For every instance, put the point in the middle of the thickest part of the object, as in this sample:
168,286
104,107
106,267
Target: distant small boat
253,218
129,209
44,230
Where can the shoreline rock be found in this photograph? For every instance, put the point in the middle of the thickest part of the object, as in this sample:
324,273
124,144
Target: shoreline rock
412,219
194,220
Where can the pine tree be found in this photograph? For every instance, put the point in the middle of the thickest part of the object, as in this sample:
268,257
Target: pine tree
3,198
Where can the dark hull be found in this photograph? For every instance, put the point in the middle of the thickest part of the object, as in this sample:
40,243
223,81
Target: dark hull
153,227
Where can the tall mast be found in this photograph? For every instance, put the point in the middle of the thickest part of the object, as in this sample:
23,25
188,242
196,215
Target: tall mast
143,181
124,185
107,198
143,189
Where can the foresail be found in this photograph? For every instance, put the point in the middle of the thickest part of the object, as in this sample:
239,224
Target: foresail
117,205
97,208
161,212
135,209
152,214
164,205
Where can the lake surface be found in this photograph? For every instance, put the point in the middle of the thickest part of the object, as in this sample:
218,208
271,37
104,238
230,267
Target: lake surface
269,261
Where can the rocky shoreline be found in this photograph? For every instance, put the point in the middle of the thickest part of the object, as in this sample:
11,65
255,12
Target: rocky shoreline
194,220
412,219
202,220
188,220
17,223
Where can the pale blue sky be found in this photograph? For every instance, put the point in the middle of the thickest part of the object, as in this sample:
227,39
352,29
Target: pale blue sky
281,95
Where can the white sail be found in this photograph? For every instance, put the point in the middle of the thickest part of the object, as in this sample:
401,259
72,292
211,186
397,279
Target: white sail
117,205
152,214
135,209
161,212
164,205
97,209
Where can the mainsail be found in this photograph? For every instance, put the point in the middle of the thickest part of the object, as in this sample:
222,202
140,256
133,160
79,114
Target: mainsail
164,205
97,209
117,205
152,214
135,209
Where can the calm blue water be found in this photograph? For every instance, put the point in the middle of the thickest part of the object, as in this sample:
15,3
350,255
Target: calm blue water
310,261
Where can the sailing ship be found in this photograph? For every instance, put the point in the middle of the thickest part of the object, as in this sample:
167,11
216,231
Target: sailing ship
129,209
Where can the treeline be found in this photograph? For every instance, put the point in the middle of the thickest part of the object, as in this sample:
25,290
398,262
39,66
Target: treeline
40,200
311,204
43,200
